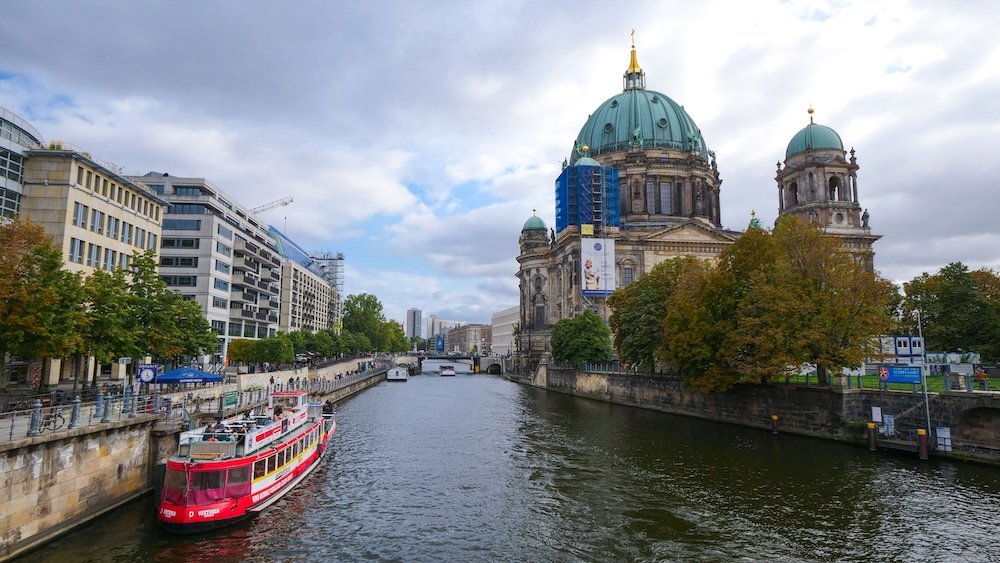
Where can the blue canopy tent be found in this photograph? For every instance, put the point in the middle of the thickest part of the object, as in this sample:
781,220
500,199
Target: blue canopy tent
187,375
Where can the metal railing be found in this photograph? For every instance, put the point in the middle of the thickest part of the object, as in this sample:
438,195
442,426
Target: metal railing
176,408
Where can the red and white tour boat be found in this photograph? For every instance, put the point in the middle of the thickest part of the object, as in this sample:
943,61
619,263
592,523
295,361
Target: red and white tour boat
227,471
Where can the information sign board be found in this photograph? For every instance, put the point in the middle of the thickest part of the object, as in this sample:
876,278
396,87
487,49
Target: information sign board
899,374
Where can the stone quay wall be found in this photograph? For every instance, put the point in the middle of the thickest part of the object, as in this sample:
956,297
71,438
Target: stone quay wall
52,483
835,413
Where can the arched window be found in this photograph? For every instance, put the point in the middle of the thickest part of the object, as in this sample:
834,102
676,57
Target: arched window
793,194
834,188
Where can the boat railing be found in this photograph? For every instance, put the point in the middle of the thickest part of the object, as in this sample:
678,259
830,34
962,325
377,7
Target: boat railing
211,450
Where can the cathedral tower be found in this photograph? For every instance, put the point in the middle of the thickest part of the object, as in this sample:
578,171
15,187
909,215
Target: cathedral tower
819,184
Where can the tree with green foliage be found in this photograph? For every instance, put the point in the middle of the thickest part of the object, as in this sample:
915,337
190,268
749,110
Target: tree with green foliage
581,339
638,311
167,325
275,349
110,327
324,344
354,343
363,315
959,310
41,311
391,338
774,301
241,350
819,306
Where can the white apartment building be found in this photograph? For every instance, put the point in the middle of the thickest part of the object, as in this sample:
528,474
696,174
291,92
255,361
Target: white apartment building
503,323
214,250
309,301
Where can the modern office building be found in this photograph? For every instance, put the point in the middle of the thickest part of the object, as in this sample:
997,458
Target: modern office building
16,136
414,323
214,250
98,218
502,325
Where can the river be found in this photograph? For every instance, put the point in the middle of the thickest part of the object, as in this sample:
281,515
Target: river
477,468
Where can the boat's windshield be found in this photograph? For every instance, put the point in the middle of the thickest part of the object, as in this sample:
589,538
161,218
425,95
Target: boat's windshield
175,486
206,486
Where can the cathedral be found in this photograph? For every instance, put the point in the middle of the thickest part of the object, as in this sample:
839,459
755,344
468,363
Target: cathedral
641,186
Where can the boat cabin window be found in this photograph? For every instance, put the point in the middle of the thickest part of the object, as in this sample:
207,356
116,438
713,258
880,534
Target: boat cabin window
175,486
238,482
259,468
207,486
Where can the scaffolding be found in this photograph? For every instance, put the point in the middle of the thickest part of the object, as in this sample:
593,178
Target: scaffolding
331,267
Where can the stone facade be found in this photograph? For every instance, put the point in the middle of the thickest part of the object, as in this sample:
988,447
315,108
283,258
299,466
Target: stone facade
51,483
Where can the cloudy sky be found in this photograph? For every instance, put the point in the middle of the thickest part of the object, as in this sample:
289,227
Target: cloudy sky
417,137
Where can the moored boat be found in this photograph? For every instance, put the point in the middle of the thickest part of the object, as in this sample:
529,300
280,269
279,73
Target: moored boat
398,373
446,370
227,471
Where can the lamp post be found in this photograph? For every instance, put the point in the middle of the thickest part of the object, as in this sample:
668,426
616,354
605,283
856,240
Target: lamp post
923,369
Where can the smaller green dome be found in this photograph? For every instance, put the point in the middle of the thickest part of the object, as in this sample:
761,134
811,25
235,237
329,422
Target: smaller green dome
533,224
811,137
586,161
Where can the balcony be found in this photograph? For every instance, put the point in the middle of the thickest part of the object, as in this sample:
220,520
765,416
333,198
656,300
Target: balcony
244,247
261,315
272,318
246,314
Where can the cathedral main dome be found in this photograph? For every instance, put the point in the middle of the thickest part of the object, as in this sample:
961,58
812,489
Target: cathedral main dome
638,117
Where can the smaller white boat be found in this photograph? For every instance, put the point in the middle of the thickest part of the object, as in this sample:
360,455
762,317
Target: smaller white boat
398,373
447,370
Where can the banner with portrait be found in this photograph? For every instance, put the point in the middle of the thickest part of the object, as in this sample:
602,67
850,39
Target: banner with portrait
597,266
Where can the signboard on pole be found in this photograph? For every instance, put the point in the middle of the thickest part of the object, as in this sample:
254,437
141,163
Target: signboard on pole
899,374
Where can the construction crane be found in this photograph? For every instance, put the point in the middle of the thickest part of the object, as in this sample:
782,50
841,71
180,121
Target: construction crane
271,205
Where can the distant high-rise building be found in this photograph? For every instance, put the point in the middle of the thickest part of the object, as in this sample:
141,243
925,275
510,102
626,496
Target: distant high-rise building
437,326
217,252
413,322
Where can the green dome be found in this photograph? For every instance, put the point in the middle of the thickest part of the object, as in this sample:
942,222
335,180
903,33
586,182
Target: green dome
639,115
586,161
533,224
812,137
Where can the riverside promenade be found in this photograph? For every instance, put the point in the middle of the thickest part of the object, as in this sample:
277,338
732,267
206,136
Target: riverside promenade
66,463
